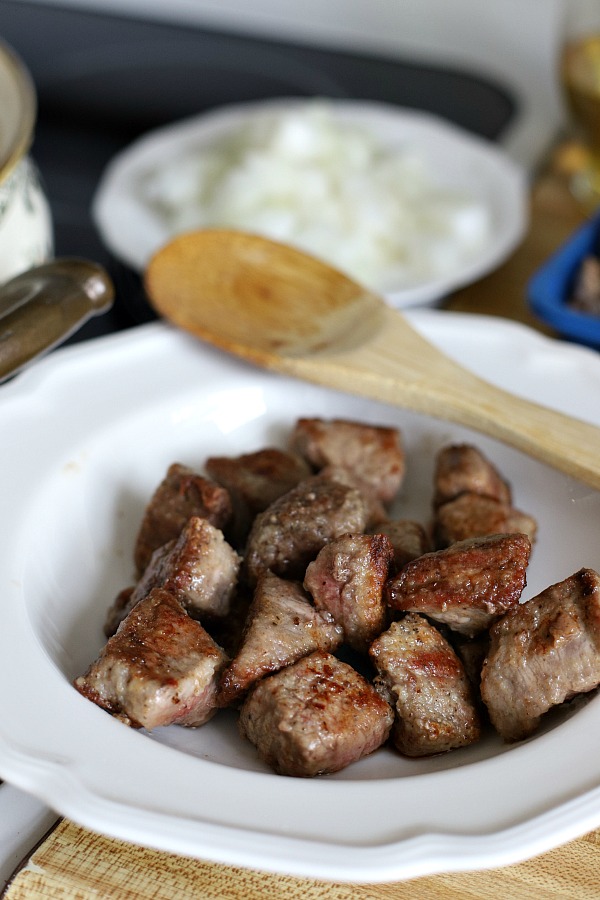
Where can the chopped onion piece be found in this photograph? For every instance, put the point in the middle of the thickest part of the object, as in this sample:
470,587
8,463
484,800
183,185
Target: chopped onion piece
331,188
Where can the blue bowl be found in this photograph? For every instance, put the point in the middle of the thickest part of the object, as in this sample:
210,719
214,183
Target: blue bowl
550,288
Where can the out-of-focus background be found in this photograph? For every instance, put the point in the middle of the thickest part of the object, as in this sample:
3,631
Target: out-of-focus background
511,43
107,71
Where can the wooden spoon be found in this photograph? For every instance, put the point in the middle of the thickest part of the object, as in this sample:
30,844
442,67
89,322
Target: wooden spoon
287,311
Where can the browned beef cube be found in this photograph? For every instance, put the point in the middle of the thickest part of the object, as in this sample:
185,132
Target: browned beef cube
127,598
408,539
373,453
281,628
315,717
200,568
460,468
291,531
119,608
228,630
182,494
473,652
472,515
376,511
542,653
254,481
160,668
347,580
466,586
428,686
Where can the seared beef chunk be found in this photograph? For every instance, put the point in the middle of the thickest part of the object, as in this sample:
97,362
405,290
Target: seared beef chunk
119,608
315,717
200,568
254,481
427,684
466,586
376,511
460,468
472,515
282,627
472,652
291,531
373,453
542,653
180,495
127,598
325,571
472,499
227,630
161,667
409,540
347,580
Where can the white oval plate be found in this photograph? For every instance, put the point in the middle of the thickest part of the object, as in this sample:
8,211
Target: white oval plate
86,436
133,230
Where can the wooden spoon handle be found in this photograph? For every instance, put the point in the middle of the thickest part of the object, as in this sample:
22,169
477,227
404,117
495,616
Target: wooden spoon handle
400,367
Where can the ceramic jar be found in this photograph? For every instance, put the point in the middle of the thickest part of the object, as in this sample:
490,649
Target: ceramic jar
26,236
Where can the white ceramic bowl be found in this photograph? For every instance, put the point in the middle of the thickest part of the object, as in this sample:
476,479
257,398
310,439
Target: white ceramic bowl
133,229
70,511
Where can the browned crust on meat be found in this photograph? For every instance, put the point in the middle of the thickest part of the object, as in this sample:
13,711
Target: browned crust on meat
542,653
254,481
282,626
200,568
374,453
182,494
153,646
473,515
461,468
409,540
347,579
291,531
315,717
428,685
466,585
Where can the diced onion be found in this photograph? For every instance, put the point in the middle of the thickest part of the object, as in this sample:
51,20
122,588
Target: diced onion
331,188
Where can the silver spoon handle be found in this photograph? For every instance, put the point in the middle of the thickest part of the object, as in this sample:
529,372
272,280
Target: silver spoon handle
45,305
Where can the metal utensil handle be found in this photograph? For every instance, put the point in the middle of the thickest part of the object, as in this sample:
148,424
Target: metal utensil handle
42,307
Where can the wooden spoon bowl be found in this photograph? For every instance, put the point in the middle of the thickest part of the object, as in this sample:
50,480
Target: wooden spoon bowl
287,311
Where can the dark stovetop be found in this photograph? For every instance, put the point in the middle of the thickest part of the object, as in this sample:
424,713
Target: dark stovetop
103,80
